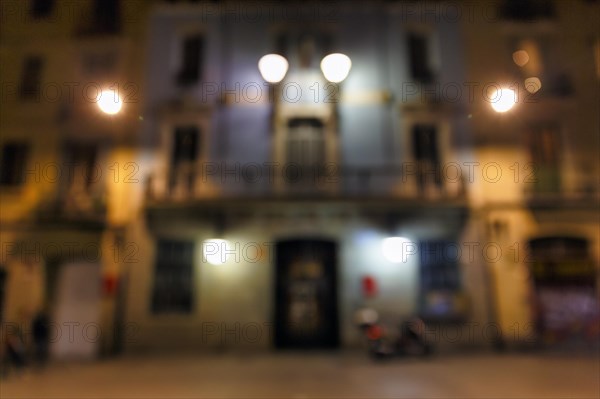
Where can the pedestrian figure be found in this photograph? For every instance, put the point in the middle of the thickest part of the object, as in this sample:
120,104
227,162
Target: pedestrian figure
15,351
40,327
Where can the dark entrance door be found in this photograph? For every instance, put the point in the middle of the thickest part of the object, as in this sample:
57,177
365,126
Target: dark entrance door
306,294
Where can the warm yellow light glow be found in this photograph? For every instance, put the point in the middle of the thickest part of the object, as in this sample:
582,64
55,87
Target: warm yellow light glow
214,250
521,57
273,67
534,65
336,67
503,100
533,84
109,102
396,249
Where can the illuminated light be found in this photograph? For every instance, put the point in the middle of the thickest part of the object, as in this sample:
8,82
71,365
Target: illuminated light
503,100
533,85
336,67
273,67
214,250
396,249
109,102
520,57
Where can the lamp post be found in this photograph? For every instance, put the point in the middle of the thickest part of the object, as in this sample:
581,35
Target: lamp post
503,100
109,102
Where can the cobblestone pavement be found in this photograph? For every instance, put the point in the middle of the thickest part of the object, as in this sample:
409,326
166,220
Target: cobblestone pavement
318,375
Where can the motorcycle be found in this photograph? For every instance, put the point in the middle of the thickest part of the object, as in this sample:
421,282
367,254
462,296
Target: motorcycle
382,342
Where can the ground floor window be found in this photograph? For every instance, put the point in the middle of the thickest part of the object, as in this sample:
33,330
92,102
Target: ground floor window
440,282
439,266
173,277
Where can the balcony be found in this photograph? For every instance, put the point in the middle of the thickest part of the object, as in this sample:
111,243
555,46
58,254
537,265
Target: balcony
291,181
83,210
380,194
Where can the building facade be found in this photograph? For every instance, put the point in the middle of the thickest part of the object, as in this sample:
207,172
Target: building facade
67,166
275,210
225,207
543,210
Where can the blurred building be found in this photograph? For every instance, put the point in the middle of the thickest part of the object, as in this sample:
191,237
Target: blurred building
275,211
231,212
65,193
540,198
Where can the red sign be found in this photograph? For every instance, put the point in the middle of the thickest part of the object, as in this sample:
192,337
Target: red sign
109,284
369,286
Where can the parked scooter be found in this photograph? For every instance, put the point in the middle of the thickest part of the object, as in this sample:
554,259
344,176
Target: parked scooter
407,340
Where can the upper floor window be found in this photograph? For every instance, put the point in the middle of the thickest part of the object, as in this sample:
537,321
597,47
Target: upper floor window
305,150
106,16
185,144
544,151
527,10
81,161
14,161
426,155
539,65
41,8
191,60
419,52
31,78
185,150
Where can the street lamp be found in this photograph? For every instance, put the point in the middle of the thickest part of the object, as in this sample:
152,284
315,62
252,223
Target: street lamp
214,250
336,67
109,102
394,248
503,100
273,67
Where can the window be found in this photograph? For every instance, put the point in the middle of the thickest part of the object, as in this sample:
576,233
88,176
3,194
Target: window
106,16
441,298
561,261
544,151
526,10
173,278
439,266
305,150
31,78
81,164
191,60
418,52
183,158
539,65
14,160
185,146
41,8
426,155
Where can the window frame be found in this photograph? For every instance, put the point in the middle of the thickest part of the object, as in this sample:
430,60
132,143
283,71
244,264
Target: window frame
162,270
19,181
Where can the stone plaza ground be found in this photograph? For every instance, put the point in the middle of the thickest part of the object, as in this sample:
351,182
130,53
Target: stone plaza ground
314,375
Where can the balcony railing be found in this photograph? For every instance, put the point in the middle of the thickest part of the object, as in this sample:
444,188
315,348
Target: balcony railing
292,181
74,207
